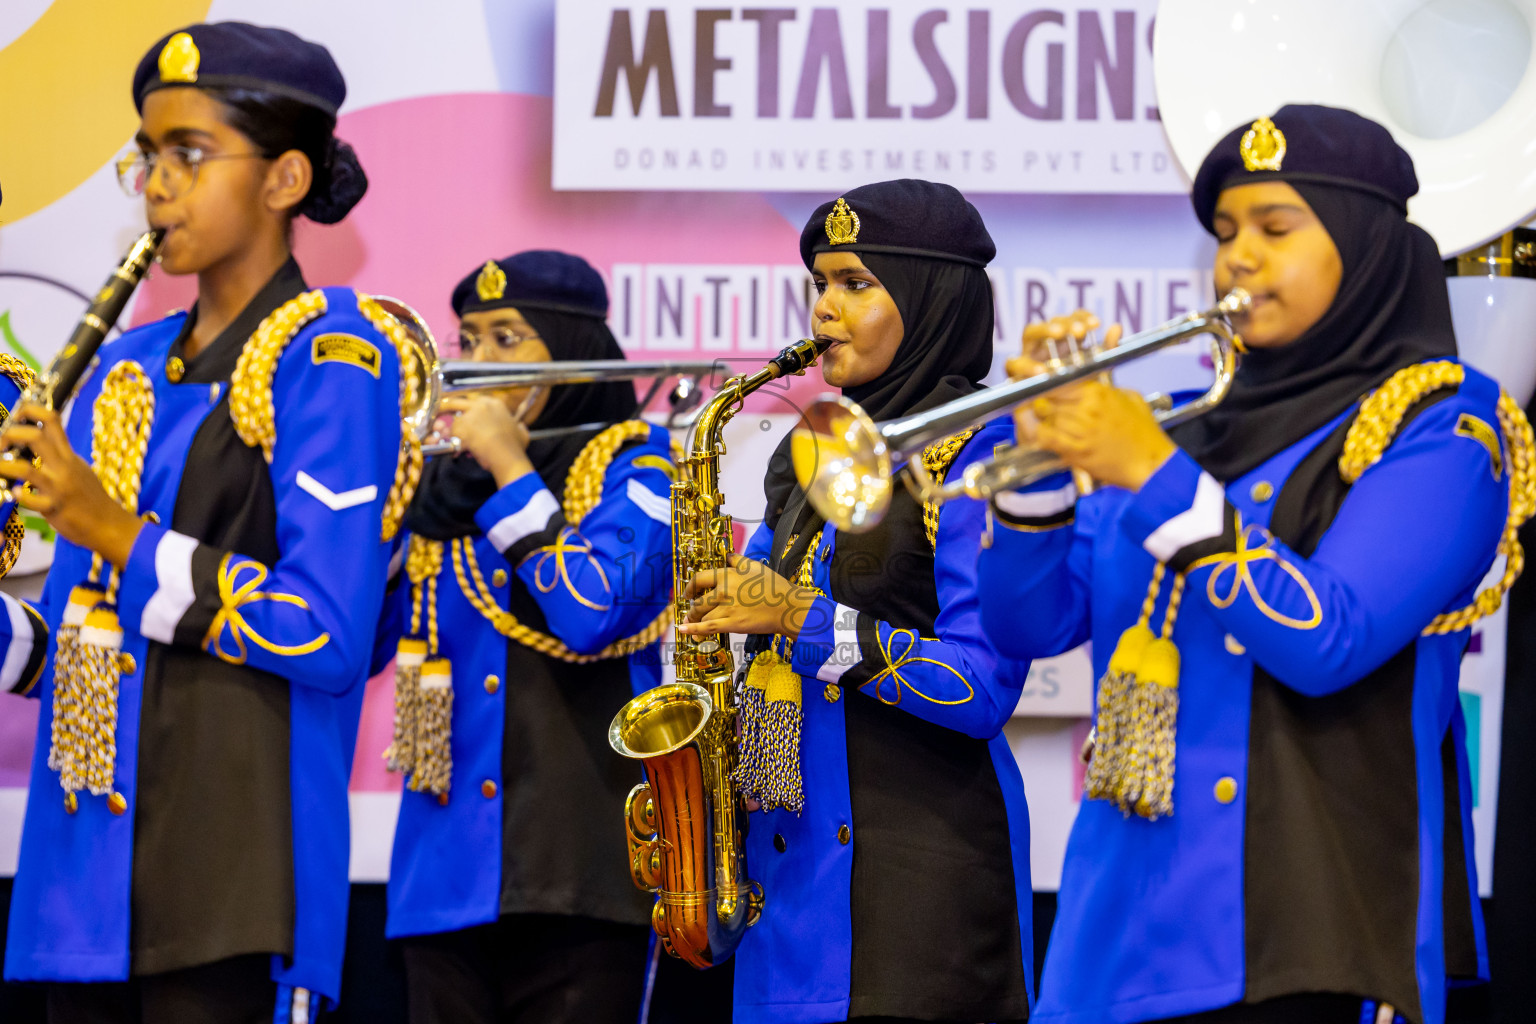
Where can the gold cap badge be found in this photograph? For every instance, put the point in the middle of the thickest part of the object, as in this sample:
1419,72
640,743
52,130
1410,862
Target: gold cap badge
492,282
842,224
1263,146
179,59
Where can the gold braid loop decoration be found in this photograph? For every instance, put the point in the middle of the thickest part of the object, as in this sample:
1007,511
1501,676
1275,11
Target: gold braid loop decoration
250,386
583,491
88,658
1382,412
584,482
936,460
23,376
1522,502
408,465
1376,425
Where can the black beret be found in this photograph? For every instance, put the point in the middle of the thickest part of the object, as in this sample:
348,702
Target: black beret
1307,143
917,218
232,54
539,279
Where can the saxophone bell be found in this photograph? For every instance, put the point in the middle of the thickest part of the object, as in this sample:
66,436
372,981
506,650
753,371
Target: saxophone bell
684,823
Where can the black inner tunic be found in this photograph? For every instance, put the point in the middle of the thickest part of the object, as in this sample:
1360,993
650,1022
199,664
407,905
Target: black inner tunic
563,786
934,908
1332,856
213,827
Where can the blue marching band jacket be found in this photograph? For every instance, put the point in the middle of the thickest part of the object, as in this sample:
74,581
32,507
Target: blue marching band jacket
795,965
1308,827
515,647
258,622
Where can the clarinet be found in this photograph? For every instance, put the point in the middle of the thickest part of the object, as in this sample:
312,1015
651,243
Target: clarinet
56,385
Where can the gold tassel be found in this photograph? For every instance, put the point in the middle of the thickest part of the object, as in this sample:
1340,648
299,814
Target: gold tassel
1111,723
101,642
409,655
434,756
771,719
67,754
1157,712
1134,732
751,711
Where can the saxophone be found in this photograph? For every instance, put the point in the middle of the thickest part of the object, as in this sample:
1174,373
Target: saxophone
684,822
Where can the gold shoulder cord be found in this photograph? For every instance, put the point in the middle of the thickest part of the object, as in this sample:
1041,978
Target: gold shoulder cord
23,376
1376,425
88,660
583,490
936,460
1134,737
250,388
422,741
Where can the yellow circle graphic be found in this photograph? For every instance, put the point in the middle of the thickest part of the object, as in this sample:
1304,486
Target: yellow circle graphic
74,66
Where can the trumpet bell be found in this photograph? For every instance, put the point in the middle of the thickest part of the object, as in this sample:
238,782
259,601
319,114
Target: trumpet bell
423,385
843,463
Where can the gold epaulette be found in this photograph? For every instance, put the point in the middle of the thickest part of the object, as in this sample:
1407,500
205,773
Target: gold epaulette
1380,416
23,376
936,460
250,388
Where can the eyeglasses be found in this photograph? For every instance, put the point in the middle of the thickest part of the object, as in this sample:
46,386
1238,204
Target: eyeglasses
180,164
504,337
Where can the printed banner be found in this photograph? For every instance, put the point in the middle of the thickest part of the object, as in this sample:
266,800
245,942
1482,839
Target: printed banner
994,97
684,171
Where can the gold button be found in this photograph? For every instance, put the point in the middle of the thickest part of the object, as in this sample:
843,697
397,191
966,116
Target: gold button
1262,491
1233,647
492,684
153,517
175,369
126,665
71,804
1226,789
117,803
833,692
843,834
499,577
488,789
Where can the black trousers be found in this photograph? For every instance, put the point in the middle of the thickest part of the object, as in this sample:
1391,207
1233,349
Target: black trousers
235,991
528,969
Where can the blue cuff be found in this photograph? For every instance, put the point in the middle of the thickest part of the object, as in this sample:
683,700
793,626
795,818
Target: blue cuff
1043,505
828,644
522,511
1181,514
138,582
25,649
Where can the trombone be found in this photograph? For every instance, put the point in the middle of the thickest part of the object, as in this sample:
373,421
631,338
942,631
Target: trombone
429,378
846,462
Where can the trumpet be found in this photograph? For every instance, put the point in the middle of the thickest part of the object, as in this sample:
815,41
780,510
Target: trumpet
846,462
429,378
